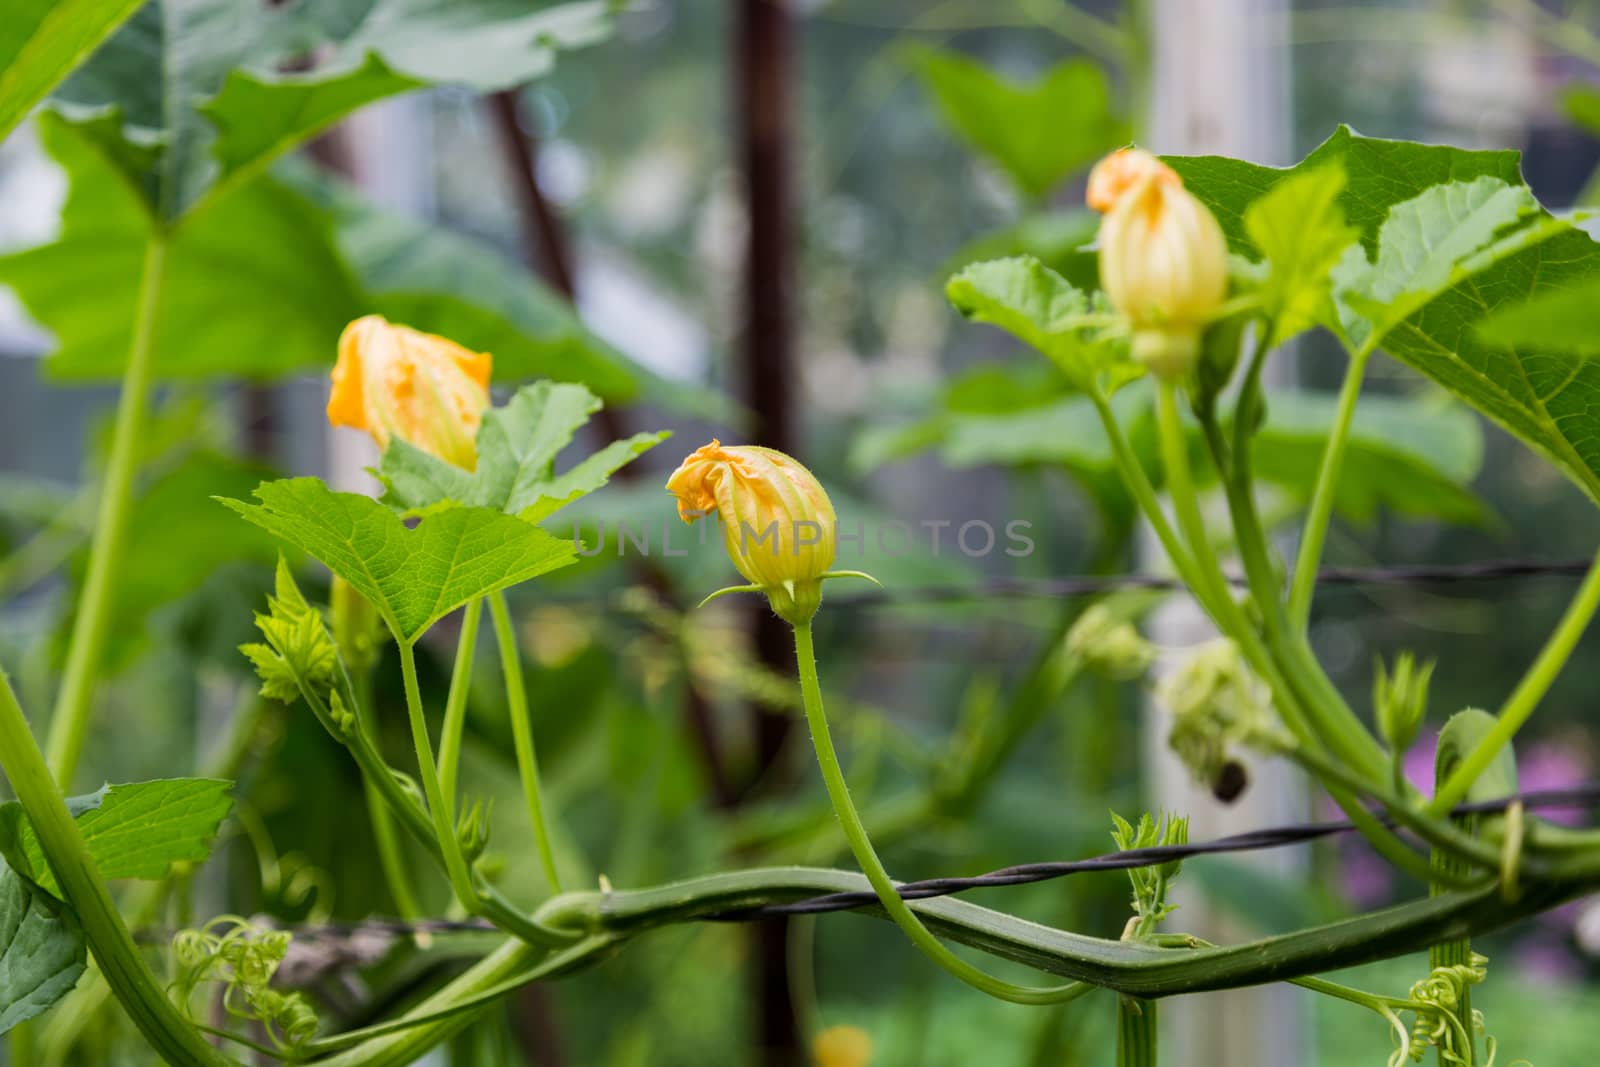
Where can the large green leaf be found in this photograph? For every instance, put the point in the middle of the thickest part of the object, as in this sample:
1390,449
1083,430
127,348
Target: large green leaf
414,577
42,950
1566,320
42,40
220,87
1038,132
254,287
1036,305
457,287
517,448
1299,229
137,830
1445,262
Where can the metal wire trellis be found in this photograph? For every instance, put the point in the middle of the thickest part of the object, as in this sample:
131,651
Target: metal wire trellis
1586,796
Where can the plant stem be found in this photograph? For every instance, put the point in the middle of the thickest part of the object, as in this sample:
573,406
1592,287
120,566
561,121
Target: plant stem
1136,1032
872,866
142,997
522,732
1525,698
455,704
1144,494
1322,497
69,720
390,858
438,807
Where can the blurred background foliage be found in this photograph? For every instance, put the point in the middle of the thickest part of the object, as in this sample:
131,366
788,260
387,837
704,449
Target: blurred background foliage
924,136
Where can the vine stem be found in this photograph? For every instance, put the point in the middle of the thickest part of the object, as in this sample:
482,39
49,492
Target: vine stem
1320,515
438,807
390,858
522,733
861,845
1525,698
124,969
455,703
1136,1032
70,718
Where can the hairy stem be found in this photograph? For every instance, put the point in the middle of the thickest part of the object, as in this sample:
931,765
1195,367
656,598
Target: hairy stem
130,978
522,733
872,866
455,704
438,807
1525,698
1320,514
70,719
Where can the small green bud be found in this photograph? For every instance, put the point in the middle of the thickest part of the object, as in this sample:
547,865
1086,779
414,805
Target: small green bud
472,829
1110,646
357,629
343,718
1400,700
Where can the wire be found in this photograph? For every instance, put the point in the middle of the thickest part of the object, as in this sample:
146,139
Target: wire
1585,796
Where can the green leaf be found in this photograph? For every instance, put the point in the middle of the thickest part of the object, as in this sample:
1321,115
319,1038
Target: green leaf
1566,320
1410,457
1038,132
1299,229
42,949
517,448
176,509
253,288
41,41
414,577
220,88
443,283
1034,304
1581,102
1444,287
137,830
1058,239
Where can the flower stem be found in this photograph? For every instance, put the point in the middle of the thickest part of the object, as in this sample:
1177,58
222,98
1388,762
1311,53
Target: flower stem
438,807
1136,1032
70,718
861,845
1321,513
455,704
1525,698
125,970
522,732
390,858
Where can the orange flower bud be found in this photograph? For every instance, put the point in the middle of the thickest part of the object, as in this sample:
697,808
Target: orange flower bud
842,1046
393,381
777,522
1121,171
1163,260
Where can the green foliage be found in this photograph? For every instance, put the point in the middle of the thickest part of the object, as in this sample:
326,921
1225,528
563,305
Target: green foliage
517,448
216,88
1299,229
1060,240
1036,305
1037,133
298,649
137,830
1450,258
42,949
253,288
1566,321
1150,884
42,40
414,577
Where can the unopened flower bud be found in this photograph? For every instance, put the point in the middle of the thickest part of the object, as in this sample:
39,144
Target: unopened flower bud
842,1046
1110,646
393,381
1163,258
777,521
1216,703
1400,700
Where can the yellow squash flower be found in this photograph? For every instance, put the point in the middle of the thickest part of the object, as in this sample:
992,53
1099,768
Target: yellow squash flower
842,1046
777,522
393,381
1163,259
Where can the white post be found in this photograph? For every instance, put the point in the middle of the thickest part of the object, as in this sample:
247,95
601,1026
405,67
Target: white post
1221,85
